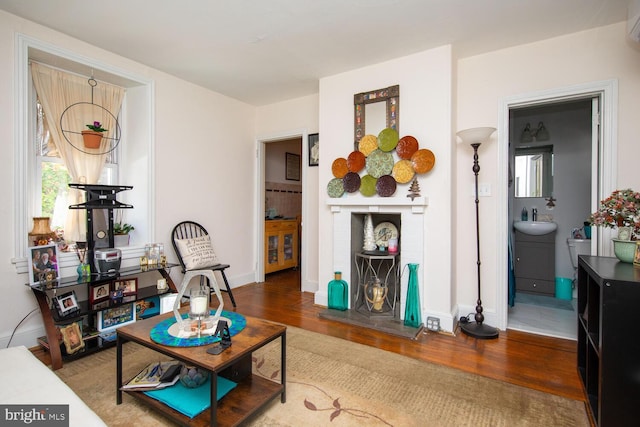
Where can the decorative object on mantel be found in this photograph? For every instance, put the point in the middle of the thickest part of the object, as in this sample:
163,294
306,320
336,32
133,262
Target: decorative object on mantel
620,210
339,167
477,329
335,188
369,236
382,172
93,138
414,189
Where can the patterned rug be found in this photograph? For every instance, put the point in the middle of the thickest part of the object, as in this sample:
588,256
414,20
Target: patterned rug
335,382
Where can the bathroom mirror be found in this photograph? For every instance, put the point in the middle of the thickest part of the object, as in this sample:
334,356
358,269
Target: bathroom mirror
534,171
375,111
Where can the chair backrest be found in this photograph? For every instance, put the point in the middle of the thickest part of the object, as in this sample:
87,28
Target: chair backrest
186,230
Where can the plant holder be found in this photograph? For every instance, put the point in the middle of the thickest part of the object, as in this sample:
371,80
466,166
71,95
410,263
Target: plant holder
101,143
91,139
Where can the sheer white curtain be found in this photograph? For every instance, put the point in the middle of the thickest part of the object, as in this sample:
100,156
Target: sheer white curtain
58,91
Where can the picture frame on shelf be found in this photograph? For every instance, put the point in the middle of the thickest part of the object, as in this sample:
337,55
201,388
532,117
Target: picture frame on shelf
99,293
148,307
43,264
292,166
101,305
72,337
314,149
128,286
112,318
66,304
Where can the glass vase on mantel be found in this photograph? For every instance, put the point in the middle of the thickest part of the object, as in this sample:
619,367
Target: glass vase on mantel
338,293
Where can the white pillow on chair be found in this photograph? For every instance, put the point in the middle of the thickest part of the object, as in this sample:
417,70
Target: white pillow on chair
197,253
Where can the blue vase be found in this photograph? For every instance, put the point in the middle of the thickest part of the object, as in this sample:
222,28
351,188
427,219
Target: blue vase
412,316
338,293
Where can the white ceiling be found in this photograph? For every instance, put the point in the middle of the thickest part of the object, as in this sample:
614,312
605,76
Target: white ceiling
265,51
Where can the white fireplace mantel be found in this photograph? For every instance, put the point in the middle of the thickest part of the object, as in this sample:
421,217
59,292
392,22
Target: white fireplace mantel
412,233
417,205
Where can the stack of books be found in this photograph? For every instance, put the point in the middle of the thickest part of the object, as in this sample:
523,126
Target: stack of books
155,376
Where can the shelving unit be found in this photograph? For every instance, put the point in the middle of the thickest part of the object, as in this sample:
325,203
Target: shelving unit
45,293
609,339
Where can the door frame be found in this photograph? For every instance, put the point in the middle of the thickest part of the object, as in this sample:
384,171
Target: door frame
605,181
261,142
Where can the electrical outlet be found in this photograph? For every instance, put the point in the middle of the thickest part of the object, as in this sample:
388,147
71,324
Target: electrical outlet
433,324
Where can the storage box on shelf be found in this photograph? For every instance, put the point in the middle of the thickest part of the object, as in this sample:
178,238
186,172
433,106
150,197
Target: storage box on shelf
90,314
609,339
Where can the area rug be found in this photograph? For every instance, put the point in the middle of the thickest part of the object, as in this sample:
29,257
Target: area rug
335,382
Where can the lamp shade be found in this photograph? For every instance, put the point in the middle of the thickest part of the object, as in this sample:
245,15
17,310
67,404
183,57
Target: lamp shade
475,135
40,226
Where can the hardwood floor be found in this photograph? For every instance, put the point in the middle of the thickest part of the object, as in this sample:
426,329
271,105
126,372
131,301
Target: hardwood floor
534,361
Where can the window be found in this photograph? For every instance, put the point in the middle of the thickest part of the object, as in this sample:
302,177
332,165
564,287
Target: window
52,180
135,152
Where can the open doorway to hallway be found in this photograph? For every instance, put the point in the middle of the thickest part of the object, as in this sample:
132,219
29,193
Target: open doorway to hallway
282,205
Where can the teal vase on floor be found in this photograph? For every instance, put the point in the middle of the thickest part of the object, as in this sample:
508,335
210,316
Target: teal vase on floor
412,316
338,293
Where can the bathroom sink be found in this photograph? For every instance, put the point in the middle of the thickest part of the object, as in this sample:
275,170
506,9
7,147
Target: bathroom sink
535,228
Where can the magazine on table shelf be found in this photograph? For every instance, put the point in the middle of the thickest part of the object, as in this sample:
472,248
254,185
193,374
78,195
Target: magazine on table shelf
156,375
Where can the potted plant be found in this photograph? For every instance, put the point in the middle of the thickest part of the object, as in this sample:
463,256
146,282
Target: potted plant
121,232
620,210
93,136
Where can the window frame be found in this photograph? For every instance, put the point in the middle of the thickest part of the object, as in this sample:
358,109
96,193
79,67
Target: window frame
140,91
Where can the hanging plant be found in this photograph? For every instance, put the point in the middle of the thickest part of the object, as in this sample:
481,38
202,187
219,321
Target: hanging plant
93,136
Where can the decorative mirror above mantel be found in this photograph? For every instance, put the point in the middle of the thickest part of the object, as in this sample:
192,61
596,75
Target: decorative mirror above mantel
375,111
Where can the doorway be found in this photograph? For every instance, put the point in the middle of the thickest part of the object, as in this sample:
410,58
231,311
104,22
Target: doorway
280,206
603,99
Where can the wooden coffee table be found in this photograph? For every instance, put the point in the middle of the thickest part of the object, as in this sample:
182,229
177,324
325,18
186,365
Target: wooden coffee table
250,395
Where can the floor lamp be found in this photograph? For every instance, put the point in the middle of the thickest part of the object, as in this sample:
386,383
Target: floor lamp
477,329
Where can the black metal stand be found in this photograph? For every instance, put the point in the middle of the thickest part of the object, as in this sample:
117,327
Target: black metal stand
99,197
478,329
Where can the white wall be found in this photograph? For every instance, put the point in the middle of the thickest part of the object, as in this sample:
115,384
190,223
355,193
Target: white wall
484,80
425,81
204,159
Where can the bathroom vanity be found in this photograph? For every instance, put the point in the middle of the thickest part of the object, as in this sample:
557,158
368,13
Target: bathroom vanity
535,263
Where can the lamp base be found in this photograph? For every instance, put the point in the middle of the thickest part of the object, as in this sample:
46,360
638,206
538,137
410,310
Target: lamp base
479,330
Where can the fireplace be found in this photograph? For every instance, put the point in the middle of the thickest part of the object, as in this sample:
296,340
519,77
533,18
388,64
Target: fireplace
377,309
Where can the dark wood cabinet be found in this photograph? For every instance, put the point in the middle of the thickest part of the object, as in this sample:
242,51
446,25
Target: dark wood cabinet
535,262
609,339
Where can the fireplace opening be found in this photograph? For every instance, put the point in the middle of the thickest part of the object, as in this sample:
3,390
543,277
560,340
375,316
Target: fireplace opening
375,280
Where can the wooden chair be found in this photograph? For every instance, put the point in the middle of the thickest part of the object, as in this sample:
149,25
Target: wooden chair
190,230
